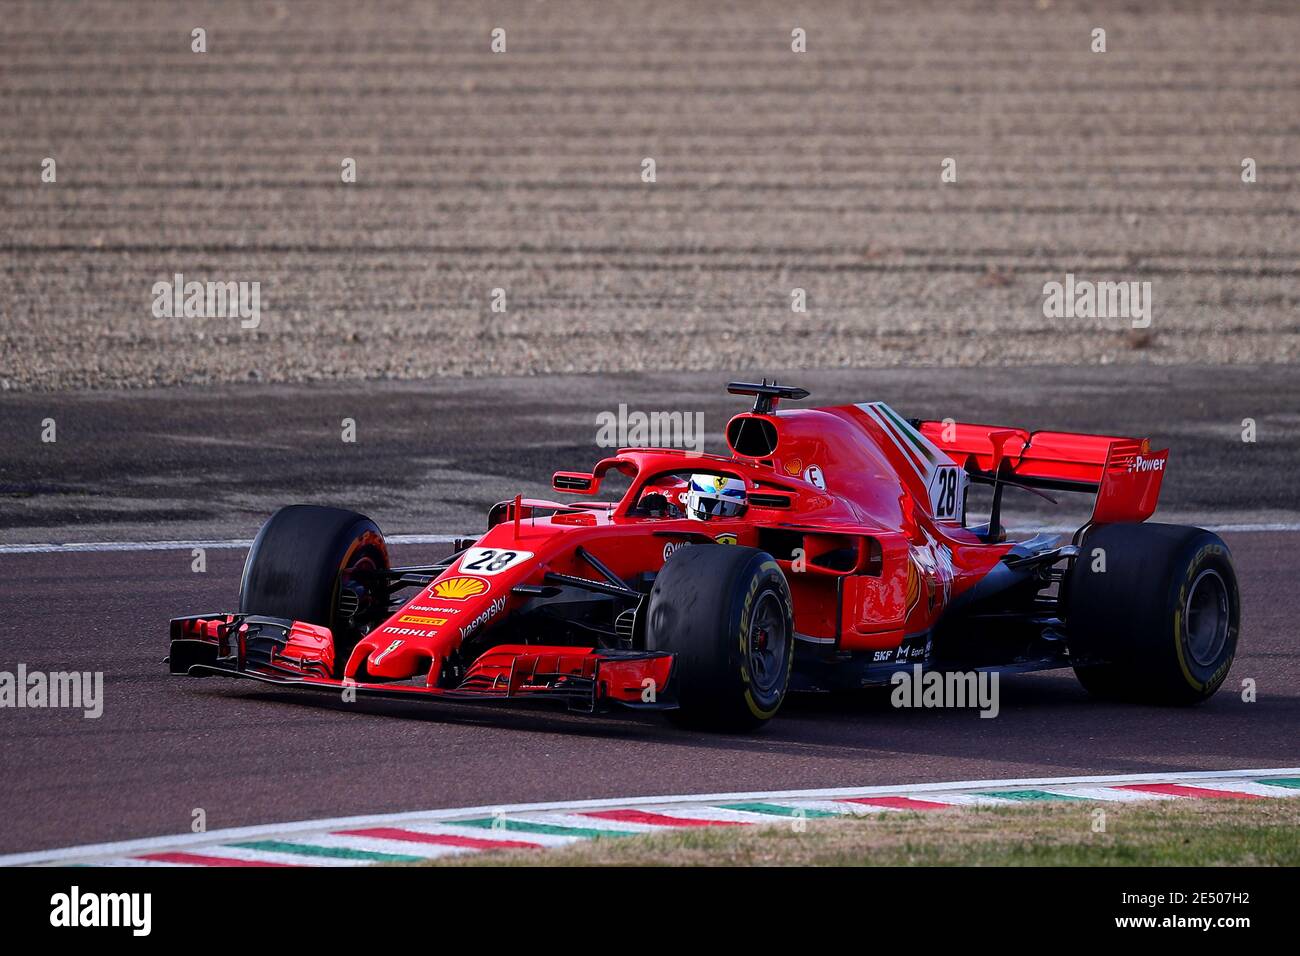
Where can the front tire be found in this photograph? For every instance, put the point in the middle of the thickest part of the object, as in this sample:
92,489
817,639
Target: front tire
322,566
1160,623
726,613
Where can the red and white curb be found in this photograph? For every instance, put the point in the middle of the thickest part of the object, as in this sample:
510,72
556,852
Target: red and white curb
415,837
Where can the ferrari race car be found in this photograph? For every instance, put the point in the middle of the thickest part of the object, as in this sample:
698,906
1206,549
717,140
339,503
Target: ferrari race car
829,550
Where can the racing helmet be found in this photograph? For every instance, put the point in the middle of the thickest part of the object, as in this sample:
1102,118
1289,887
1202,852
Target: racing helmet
714,496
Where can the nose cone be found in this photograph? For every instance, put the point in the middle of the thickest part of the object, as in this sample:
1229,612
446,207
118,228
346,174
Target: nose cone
388,657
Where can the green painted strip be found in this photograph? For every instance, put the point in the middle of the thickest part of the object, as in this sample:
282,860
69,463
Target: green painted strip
338,853
908,432
777,810
1027,795
524,826
1292,782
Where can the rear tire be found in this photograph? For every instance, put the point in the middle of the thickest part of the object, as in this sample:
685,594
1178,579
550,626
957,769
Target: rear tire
1160,624
318,565
726,613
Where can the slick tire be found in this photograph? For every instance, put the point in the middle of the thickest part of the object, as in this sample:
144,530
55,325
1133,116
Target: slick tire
1159,625
725,612
318,565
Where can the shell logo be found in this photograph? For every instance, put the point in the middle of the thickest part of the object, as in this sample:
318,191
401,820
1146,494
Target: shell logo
1146,446
460,588
794,466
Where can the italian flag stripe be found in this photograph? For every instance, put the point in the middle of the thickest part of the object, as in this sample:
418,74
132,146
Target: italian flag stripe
339,853
202,859
880,421
776,810
439,839
660,819
526,826
909,433
1027,795
1179,790
898,803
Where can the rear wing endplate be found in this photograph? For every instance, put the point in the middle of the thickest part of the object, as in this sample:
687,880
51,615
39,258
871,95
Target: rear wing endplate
1123,473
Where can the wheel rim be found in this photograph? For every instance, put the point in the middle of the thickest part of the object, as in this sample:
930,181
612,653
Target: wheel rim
356,583
1205,617
767,642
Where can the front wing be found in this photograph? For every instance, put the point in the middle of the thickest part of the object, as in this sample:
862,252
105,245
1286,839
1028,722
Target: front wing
270,650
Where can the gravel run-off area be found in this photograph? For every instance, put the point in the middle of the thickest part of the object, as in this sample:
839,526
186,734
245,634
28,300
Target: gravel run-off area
522,171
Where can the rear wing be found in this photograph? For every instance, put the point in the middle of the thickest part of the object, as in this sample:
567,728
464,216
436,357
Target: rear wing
1124,473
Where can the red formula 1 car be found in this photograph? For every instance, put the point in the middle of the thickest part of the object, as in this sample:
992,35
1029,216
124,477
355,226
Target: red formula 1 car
829,550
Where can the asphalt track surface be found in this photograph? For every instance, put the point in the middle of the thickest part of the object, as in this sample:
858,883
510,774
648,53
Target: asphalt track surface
432,456
245,755
214,462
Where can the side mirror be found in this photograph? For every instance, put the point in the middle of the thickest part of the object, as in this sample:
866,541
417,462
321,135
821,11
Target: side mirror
575,482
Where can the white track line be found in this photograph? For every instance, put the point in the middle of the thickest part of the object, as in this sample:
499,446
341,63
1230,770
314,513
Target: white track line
1273,526
111,546
190,842
74,547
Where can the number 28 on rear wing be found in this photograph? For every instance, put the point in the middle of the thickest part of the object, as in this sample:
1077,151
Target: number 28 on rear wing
1123,473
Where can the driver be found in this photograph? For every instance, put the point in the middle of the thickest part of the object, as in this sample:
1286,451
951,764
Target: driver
715,496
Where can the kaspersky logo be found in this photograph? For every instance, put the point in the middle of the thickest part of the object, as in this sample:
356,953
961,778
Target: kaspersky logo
460,588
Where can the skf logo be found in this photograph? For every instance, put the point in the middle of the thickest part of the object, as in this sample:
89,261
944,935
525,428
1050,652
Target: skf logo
727,538
459,588
417,619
